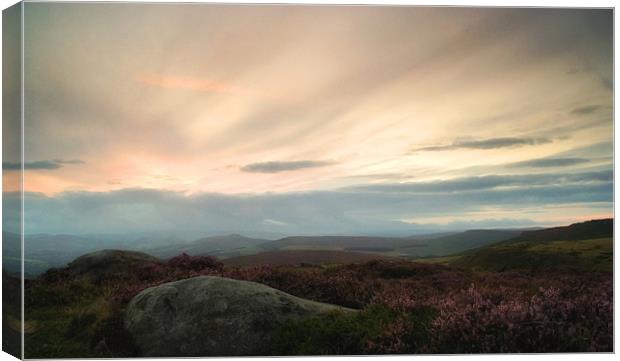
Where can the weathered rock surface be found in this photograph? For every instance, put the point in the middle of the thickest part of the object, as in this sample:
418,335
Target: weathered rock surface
212,316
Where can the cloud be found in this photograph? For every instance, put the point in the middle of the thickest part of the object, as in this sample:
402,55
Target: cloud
490,143
40,164
198,85
273,222
549,162
600,149
176,84
488,182
585,110
378,176
487,223
364,210
607,83
71,161
275,167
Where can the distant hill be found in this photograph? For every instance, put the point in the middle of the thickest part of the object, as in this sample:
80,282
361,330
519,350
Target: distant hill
432,235
337,242
459,242
586,230
585,246
226,245
414,247
11,252
303,257
43,251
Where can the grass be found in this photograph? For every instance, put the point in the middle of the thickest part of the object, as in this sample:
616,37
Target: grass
438,260
300,257
335,333
65,318
311,247
548,298
397,253
586,255
236,252
587,248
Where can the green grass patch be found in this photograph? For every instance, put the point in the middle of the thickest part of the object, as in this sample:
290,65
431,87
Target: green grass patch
353,333
64,318
438,260
585,255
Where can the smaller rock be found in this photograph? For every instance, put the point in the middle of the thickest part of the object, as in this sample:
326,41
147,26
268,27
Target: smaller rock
107,263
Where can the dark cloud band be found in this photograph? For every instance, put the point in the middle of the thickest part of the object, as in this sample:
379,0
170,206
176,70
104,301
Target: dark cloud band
488,182
585,110
40,164
275,167
491,143
549,162
373,208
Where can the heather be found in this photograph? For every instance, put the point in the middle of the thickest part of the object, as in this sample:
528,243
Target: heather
405,307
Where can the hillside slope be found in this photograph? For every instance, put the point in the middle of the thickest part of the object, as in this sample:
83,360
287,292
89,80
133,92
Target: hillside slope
44,251
338,242
459,242
226,245
581,246
303,257
392,246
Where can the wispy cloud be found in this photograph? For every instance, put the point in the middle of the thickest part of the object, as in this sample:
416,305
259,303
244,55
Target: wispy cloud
275,167
489,143
198,85
40,164
352,211
179,82
589,109
273,222
608,83
300,84
488,182
549,162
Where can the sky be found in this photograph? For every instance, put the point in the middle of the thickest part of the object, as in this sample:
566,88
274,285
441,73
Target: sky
314,119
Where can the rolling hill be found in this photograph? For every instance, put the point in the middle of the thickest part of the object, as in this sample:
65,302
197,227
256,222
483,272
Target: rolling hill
581,246
412,247
320,257
43,251
337,242
459,242
221,246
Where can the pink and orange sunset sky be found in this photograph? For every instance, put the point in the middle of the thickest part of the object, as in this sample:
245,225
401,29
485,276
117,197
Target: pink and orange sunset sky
314,119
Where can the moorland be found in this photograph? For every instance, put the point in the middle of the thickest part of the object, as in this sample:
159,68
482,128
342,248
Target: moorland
479,291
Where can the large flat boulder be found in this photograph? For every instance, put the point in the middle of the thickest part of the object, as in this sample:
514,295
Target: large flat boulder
213,316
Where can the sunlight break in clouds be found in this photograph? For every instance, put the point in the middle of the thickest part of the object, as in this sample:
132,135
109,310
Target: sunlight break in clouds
173,82
277,103
199,85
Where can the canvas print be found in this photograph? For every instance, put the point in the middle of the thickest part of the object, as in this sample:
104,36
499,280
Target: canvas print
239,180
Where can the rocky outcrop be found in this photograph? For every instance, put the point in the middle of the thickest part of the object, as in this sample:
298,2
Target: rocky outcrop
108,263
213,316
